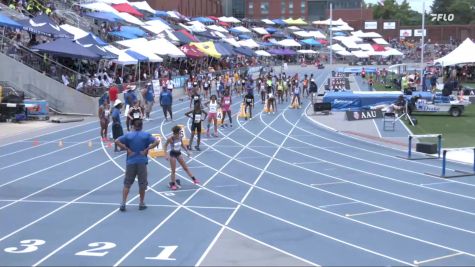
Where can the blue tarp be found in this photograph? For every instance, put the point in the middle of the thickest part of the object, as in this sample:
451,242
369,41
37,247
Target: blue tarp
339,34
266,44
106,16
279,22
133,30
66,48
279,34
91,39
161,13
124,35
206,35
245,51
312,42
8,22
44,25
160,19
100,51
203,20
244,36
139,57
271,30
224,49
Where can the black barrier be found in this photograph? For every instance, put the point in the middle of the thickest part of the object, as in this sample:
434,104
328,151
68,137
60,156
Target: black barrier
322,107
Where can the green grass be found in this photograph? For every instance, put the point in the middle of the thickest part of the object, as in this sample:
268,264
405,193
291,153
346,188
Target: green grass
456,131
472,85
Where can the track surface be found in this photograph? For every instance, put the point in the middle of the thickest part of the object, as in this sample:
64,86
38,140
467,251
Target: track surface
276,190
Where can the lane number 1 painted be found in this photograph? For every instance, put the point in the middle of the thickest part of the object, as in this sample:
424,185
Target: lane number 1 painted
165,254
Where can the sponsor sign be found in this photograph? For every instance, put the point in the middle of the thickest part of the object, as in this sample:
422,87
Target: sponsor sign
363,115
418,32
405,33
371,25
389,25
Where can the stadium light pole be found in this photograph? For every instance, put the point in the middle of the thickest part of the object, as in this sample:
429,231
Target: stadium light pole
422,40
331,33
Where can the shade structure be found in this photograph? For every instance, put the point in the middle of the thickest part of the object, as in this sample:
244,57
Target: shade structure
130,18
279,22
380,41
378,47
260,30
125,7
249,43
74,31
245,51
240,29
98,6
124,35
460,55
192,51
282,52
306,51
44,25
225,49
137,42
185,37
143,55
217,28
208,48
268,21
105,16
343,53
161,13
289,43
271,30
307,34
91,39
203,19
163,47
103,53
8,22
143,6
291,21
66,48
263,53
122,57
229,19
360,54
312,42
336,47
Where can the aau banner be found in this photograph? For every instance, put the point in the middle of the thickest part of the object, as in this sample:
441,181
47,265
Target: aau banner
363,115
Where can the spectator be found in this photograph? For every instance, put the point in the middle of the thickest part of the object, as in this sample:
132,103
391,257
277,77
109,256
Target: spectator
166,100
117,130
149,97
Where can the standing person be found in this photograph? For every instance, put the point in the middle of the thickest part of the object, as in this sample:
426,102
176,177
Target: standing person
249,103
166,100
370,83
271,101
104,118
176,144
117,130
226,103
213,115
305,85
129,98
195,98
313,89
206,87
262,91
137,144
196,116
280,90
149,97
296,97
135,113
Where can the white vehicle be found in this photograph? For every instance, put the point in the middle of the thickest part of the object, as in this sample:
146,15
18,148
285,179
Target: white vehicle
454,108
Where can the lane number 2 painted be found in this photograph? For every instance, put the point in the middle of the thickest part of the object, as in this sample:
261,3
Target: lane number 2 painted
97,249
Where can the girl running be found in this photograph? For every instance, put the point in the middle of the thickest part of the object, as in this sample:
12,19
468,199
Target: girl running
213,115
196,116
104,118
226,103
176,144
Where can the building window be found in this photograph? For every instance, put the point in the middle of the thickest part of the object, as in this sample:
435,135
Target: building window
250,8
303,7
265,7
282,7
291,7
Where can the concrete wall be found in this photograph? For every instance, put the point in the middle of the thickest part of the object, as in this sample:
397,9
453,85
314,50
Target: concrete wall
59,96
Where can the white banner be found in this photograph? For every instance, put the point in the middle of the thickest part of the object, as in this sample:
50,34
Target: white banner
418,32
405,33
371,25
389,25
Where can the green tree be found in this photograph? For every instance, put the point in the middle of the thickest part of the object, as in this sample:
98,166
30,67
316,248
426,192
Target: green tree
463,11
391,10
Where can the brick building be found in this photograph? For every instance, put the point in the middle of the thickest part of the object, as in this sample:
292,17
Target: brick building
191,8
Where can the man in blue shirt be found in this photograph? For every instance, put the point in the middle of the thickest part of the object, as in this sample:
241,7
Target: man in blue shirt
117,130
166,100
149,97
137,143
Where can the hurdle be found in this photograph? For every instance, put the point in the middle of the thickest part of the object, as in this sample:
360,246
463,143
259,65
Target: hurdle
444,164
409,147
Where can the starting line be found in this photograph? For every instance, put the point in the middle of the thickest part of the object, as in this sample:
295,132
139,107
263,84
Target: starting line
444,164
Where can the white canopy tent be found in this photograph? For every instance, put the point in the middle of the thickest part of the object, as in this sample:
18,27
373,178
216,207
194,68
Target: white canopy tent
338,22
306,51
380,41
310,34
336,47
102,7
163,47
293,28
229,19
138,42
343,53
232,41
248,43
360,54
288,43
263,53
122,57
130,19
464,53
349,43
143,6
76,32
147,53
352,38
217,28
268,22
260,30
362,34
365,47
241,29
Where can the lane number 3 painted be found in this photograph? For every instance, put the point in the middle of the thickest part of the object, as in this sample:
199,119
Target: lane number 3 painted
29,245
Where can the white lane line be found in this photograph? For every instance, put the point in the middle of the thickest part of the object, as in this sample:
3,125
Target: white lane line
416,262
339,204
435,183
50,167
241,234
329,183
252,157
79,202
126,255
377,129
364,213
263,171
306,162
353,146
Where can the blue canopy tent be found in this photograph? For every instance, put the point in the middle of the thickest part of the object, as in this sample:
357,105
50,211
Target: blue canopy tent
339,34
66,48
139,57
104,54
271,30
8,22
268,44
203,20
206,35
311,42
133,30
105,16
44,25
279,34
245,51
91,39
160,13
124,35
224,49
279,22
244,36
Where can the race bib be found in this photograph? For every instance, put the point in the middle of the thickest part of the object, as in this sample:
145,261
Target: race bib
197,118
106,113
249,100
136,115
227,102
196,98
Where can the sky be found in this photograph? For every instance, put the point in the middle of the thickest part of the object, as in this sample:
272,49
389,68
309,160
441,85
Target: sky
415,4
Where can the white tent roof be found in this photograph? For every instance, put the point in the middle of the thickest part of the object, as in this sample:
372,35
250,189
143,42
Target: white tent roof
359,54
102,7
232,41
307,52
349,43
163,47
263,53
338,22
380,41
145,52
157,23
260,30
110,2
462,54
249,43
308,34
241,29
343,53
217,28
344,27
129,18
195,26
154,29
122,57
336,47
352,38
365,47
138,42
143,6
229,19
293,28
77,32
268,22
366,34
288,43
218,34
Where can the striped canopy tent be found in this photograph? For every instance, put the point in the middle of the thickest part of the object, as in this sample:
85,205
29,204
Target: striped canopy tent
208,48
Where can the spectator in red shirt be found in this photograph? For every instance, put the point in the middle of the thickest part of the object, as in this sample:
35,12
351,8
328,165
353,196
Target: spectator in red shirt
113,92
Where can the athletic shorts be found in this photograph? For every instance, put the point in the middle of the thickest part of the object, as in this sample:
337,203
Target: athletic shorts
136,170
175,154
212,116
196,126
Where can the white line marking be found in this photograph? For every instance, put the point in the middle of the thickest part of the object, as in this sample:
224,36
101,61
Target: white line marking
307,162
339,204
329,183
377,129
416,262
446,182
364,213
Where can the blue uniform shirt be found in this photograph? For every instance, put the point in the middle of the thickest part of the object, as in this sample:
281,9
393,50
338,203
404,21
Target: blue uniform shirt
137,142
166,98
130,97
116,116
149,96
